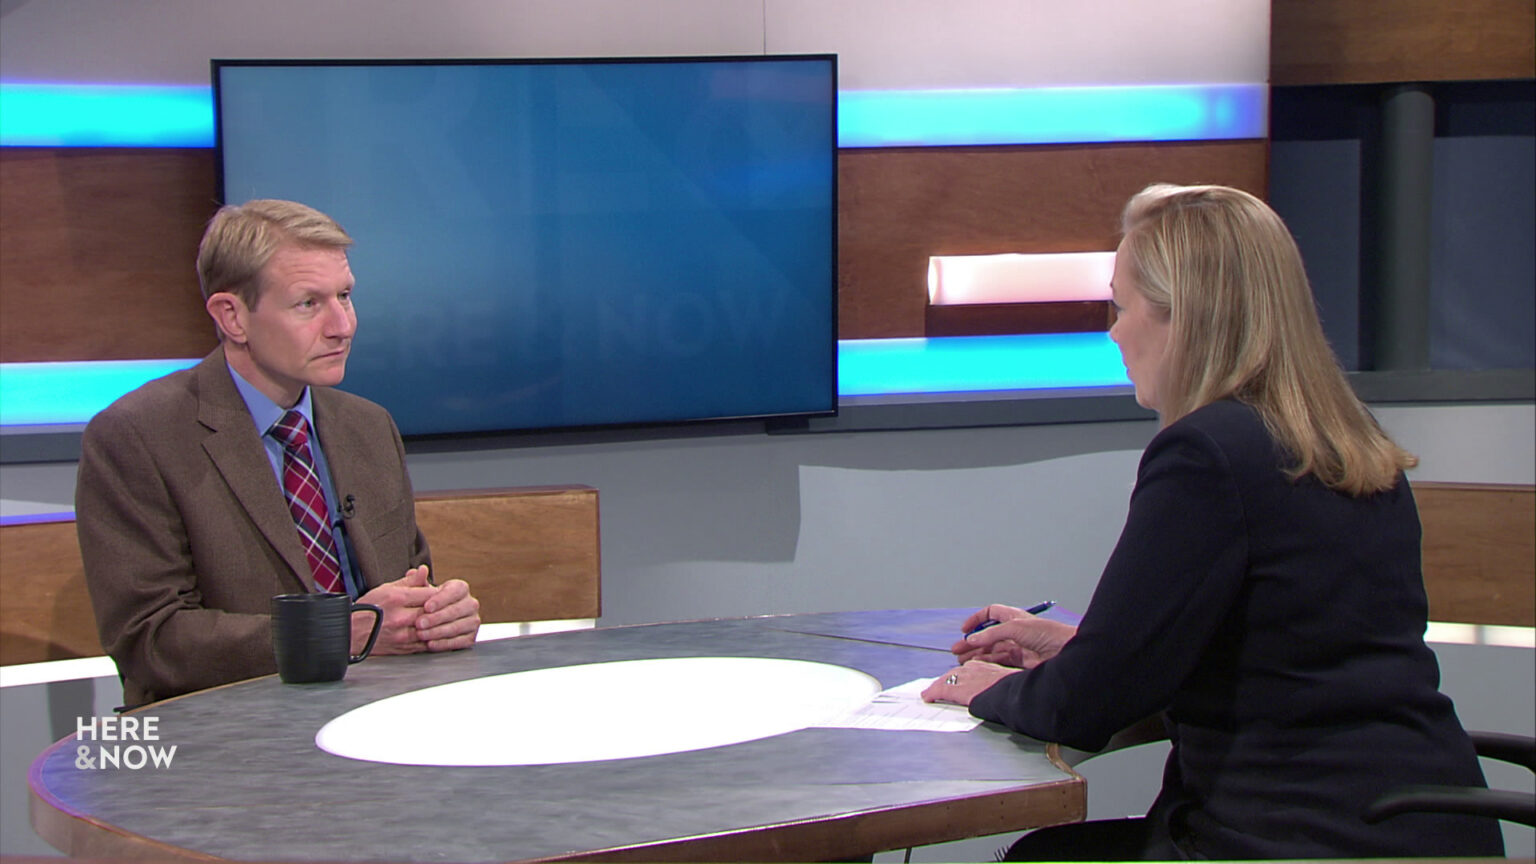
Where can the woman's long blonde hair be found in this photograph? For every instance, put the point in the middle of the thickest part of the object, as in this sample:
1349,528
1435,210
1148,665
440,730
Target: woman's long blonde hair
1221,264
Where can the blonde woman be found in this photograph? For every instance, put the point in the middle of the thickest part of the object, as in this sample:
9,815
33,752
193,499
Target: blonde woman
1265,592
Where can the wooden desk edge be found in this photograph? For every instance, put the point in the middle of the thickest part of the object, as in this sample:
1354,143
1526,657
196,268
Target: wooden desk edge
847,835
80,836
866,832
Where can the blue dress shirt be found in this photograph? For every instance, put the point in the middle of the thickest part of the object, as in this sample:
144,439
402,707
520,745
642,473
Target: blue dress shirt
265,413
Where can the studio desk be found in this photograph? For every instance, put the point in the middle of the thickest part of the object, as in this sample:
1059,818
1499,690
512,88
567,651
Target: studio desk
248,782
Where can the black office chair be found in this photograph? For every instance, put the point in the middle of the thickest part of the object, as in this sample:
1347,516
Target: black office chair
1500,804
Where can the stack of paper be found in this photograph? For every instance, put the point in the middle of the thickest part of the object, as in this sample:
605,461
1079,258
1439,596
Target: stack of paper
903,708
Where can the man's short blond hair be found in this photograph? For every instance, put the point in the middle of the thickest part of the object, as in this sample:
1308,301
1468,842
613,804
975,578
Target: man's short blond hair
241,239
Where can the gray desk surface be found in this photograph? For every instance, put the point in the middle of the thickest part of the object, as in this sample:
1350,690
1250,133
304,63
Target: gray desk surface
247,781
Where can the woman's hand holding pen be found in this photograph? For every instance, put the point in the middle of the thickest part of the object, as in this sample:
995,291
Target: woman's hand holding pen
997,638
1011,636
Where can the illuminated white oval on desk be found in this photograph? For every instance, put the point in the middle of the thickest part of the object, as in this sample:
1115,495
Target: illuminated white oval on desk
598,711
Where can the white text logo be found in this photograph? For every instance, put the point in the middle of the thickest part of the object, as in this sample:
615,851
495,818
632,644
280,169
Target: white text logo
112,749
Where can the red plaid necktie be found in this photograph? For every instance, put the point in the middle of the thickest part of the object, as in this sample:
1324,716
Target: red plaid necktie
306,500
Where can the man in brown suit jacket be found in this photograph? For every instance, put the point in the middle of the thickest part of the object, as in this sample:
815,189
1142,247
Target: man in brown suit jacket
184,528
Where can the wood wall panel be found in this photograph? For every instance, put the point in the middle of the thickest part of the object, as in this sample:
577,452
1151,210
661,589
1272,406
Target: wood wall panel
96,261
899,206
1006,319
97,253
1377,41
529,553
1479,552
45,610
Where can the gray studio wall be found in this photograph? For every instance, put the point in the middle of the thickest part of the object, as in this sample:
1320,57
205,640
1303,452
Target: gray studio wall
746,524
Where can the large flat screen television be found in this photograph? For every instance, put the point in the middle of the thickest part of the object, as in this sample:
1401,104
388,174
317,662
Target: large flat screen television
559,244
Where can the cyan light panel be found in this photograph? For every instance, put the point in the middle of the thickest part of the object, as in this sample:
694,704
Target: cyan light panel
969,364
34,394
1052,115
69,393
99,115
105,115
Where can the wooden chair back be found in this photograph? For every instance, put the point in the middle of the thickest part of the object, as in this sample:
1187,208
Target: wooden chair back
529,554
1479,552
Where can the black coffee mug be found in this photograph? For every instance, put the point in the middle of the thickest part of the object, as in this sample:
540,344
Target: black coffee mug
312,636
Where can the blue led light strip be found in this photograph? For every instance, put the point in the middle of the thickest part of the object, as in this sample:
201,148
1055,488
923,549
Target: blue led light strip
47,393
961,364
120,115
33,394
1052,115
103,115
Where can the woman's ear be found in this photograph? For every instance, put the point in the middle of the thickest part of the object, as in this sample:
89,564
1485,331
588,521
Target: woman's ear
228,313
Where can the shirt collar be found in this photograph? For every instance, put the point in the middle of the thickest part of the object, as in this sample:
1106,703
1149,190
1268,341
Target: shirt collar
265,412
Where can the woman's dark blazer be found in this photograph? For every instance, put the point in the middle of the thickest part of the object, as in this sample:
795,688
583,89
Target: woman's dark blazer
1281,627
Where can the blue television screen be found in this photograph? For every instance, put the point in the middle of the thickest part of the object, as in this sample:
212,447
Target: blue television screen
562,244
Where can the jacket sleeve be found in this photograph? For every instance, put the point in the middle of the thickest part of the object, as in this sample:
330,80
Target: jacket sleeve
139,570
1169,584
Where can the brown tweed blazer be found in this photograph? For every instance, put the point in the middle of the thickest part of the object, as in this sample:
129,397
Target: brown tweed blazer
186,536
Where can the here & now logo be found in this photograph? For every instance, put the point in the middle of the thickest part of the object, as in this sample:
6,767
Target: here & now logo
111,747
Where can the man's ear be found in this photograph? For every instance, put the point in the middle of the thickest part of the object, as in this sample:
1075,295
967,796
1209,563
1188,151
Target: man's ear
229,314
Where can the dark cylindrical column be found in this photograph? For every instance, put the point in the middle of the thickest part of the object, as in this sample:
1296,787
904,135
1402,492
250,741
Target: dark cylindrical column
1401,309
